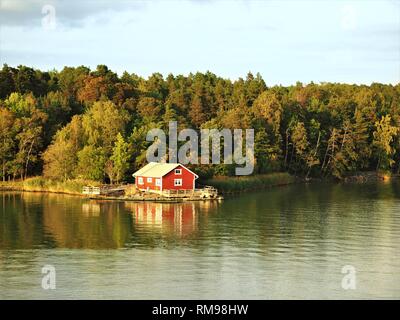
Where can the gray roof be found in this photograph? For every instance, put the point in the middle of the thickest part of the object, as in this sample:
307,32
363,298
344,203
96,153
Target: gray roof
157,170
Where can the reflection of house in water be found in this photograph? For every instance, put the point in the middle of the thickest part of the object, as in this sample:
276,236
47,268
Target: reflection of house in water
178,218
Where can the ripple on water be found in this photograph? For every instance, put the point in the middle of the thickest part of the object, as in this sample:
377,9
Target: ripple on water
285,243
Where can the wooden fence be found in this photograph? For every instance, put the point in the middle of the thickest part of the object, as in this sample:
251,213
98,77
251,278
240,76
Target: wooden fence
91,190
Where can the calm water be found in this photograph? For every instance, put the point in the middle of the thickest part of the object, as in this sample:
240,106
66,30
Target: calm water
289,242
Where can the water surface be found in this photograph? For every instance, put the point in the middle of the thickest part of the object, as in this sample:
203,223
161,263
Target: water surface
289,242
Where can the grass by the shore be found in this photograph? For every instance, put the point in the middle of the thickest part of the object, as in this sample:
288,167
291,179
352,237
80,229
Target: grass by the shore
40,184
223,184
246,183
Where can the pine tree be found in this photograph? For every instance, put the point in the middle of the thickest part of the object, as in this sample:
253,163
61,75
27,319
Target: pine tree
384,135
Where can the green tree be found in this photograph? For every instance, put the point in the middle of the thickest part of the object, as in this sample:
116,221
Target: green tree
91,163
197,111
262,152
300,143
384,135
101,124
60,158
7,84
269,108
6,140
28,127
120,158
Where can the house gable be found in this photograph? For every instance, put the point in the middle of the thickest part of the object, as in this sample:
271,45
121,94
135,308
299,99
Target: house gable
187,179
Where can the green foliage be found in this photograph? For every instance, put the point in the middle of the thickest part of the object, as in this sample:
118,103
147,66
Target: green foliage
383,138
91,163
72,186
119,159
245,183
82,123
263,152
101,124
6,141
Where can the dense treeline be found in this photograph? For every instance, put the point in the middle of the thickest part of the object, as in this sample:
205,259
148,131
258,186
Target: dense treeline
78,123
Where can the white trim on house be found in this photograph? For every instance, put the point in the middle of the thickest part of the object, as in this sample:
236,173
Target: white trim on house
149,180
177,182
140,180
195,175
178,171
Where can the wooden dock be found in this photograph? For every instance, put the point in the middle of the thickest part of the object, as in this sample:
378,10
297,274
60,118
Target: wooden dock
207,192
119,193
105,190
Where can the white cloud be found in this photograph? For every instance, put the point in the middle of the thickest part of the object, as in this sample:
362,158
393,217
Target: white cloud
285,40
69,12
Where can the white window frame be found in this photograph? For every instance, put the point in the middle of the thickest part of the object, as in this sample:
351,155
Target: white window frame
140,180
178,171
149,180
177,182
158,182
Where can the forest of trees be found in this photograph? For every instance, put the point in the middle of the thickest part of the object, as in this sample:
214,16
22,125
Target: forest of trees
79,123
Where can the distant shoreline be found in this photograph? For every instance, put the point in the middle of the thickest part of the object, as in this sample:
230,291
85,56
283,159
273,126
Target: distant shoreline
40,184
238,184
224,184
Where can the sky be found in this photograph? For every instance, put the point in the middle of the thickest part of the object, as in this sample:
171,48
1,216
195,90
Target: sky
286,41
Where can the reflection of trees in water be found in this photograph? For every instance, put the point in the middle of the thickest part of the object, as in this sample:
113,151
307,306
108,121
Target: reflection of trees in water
296,215
21,223
87,224
31,220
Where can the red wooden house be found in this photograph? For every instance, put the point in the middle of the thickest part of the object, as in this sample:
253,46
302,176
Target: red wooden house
165,176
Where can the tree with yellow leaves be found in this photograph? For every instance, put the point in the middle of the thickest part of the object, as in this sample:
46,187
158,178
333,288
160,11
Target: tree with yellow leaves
384,135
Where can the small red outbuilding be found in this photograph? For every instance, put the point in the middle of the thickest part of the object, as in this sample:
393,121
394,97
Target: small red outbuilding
165,176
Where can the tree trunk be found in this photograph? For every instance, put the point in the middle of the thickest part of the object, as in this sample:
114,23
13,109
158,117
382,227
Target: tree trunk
27,158
315,153
344,139
326,155
291,157
325,164
4,162
4,170
287,147
379,163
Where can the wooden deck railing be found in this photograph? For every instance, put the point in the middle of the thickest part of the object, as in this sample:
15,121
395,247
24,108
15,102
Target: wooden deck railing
104,189
207,192
91,190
